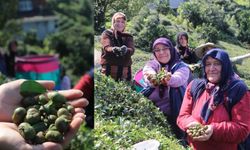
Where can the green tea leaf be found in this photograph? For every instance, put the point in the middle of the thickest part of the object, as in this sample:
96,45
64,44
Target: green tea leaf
31,88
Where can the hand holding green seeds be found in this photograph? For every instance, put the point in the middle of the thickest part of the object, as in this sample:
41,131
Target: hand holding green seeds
39,111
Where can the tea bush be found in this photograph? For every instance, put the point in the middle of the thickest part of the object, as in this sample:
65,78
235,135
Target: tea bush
84,139
124,117
122,134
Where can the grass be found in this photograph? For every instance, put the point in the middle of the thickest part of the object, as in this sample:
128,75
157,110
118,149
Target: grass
243,2
139,59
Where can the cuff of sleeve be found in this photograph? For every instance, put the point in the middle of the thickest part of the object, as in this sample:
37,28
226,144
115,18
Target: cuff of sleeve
214,130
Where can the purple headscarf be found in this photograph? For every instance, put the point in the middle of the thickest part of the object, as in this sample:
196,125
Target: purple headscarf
174,55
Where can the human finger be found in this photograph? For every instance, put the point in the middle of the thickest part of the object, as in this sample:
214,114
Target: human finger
79,110
79,115
74,127
82,102
71,94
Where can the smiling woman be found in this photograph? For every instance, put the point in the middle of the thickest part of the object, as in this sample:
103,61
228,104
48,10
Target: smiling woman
162,53
218,103
213,70
173,76
117,49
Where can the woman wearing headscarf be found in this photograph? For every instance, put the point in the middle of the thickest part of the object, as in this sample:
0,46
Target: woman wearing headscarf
117,49
183,49
219,103
168,94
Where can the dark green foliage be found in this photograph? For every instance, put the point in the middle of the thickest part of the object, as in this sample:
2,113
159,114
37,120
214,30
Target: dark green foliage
100,7
199,12
208,33
74,41
84,140
243,19
148,26
10,30
119,111
118,99
31,38
230,20
8,11
192,12
164,8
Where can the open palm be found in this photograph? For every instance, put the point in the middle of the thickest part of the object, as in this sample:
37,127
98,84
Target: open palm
10,99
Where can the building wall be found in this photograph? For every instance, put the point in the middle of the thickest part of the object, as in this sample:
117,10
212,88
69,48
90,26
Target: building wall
41,25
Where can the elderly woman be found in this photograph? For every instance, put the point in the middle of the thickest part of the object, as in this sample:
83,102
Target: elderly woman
168,94
117,49
218,104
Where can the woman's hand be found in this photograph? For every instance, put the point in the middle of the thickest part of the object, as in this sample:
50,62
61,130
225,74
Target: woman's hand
206,136
152,79
10,99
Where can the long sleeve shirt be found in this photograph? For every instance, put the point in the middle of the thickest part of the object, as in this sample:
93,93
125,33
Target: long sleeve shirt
178,78
108,40
227,133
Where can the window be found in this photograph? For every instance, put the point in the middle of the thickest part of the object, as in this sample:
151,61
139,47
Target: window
25,5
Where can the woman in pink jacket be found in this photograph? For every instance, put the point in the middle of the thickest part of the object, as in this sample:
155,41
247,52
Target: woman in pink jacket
168,94
219,102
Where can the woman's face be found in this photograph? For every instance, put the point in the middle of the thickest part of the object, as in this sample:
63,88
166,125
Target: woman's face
183,41
119,24
213,69
162,53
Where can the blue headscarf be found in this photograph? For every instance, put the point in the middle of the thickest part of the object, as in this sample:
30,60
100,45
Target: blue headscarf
228,84
227,72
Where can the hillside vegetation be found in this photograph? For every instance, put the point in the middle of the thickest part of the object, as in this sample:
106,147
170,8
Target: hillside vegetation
123,117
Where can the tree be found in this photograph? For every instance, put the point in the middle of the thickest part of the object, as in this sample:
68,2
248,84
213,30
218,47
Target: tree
100,7
207,33
192,12
8,26
148,25
243,20
8,11
74,40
